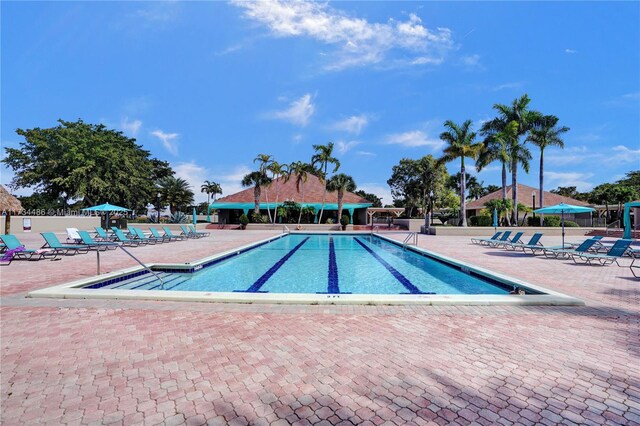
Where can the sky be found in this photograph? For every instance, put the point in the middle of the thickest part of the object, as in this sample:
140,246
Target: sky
209,85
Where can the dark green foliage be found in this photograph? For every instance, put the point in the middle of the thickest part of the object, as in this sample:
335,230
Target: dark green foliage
480,220
244,220
373,198
80,160
552,221
176,193
344,220
570,224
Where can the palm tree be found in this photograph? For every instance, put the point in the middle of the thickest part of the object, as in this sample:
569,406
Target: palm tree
546,134
518,111
211,188
323,158
265,160
175,192
460,140
301,171
341,183
278,170
256,179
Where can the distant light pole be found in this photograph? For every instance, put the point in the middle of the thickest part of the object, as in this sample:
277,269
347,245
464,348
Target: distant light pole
158,205
533,194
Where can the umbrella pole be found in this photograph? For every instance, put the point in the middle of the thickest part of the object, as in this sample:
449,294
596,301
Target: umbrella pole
562,229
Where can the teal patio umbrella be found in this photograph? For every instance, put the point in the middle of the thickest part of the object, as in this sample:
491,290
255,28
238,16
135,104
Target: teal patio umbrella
195,219
561,209
495,219
107,209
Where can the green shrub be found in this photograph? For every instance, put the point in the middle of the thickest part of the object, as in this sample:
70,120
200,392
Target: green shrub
552,221
244,220
480,220
344,220
330,221
571,224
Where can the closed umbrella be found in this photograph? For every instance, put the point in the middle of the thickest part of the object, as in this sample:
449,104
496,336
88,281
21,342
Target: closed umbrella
561,209
106,208
195,219
495,219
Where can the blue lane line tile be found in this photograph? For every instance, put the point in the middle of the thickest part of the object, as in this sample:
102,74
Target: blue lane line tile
333,269
403,280
265,277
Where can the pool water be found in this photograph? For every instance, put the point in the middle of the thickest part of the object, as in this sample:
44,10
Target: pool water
320,264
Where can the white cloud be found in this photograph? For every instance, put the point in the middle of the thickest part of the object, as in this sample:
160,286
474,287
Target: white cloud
343,147
631,96
130,127
297,138
507,86
579,180
168,140
570,51
231,49
381,191
471,60
357,42
154,13
353,124
414,138
424,60
299,111
230,180
366,153
195,175
624,155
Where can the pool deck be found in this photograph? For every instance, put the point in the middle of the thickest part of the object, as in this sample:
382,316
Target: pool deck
130,362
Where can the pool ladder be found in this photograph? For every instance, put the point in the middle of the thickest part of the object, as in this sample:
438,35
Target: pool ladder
285,229
374,229
412,238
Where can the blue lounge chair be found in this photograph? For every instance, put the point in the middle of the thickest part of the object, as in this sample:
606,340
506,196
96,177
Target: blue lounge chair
86,238
139,235
188,233
559,252
19,252
480,240
52,242
514,240
612,256
169,234
195,231
123,239
534,241
505,237
102,235
156,234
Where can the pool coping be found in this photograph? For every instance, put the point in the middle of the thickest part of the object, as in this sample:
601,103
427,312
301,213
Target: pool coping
71,290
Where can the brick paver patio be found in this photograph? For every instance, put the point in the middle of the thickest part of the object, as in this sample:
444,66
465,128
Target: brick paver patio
134,362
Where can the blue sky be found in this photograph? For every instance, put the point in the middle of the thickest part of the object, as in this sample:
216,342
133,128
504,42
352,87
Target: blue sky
208,85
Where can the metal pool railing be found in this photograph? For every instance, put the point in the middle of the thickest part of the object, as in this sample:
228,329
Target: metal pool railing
134,258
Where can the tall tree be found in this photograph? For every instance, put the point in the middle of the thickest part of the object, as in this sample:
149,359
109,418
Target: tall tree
526,119
341,183
321,159
460,144
78,160
176,193
301,171
546,134
264,161
256,179
210,188
277,171
373,198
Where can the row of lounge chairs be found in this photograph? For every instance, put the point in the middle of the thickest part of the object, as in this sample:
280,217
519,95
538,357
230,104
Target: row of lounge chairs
591,251
79,242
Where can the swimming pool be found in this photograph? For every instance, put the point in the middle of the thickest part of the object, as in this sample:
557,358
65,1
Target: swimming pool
361,268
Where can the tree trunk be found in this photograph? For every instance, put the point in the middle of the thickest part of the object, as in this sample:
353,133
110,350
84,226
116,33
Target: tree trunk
256,200
266,199
340,196
541,185
301,202
463,207
275,208
324,194
504,191
514,191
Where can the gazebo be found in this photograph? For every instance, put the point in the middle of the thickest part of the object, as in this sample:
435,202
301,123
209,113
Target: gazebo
628,228
8,204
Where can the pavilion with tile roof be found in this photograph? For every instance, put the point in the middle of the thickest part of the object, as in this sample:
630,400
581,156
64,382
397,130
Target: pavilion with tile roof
232,206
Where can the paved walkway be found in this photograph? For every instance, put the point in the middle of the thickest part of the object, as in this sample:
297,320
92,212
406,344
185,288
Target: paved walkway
130,362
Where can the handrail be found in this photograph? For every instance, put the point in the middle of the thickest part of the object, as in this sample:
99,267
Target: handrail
144,266
285,229
412,235
611,226
373,228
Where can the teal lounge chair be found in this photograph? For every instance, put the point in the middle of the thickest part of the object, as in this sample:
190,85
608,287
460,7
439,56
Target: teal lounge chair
505,237
169,234
156,234
139,235
612,256
195,231
123,239
52,242
102,235
597,246
187,232
534,241
515,240
12,243
86,238
480,240
559,252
